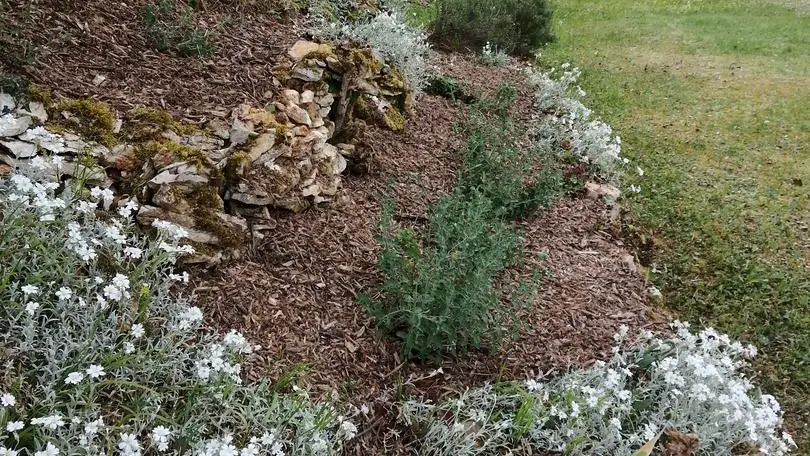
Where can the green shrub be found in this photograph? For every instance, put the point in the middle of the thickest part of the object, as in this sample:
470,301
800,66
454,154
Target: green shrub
516,181
444,296
515,26
171,28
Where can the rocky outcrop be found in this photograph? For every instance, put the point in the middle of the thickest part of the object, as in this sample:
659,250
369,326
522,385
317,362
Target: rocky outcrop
223,179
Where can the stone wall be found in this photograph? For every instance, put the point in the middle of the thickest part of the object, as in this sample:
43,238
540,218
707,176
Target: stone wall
222,179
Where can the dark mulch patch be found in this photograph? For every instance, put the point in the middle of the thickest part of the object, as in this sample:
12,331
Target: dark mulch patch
296,293
75,41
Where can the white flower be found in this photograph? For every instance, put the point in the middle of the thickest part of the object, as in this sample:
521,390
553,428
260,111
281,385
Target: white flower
184,277
95,371
635,188
74,378
616,423
533,385
137,331
174,231
129,348
92,427
127,210
133,252
160,437
51,422
7,451
30,289
50,450
348,429
31,307
277,449
8,400
129,445
639,171
14,426
650,430
64,294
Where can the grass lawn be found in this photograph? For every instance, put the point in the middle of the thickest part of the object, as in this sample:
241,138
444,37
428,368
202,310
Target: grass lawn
712,99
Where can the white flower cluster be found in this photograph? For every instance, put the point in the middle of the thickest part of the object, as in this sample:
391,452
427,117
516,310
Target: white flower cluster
102,355
564,119
687,383
405,47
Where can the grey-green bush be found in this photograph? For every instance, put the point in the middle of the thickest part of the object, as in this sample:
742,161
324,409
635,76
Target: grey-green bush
515,26
444,296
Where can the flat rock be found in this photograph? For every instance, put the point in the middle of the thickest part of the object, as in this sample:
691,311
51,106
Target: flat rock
90,174
302,48
307,96
299,115
7,103
326,100
148,214
291,96
168,197
20,149
307,74
239,133
220,128
38,111
596,190
338,164
13,126
252,200
262,144
167,177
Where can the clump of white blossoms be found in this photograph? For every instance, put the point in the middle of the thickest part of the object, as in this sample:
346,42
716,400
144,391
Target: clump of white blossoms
405,47
100,358
564,120
688,383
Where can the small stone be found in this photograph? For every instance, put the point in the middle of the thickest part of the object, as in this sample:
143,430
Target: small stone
252,200
307,74
167,197
595,190
89,174
5,169
99,79
655,294
220,128
301,130
7,103
312,190
38,111
167,177
326,101
298,115
301,49
307,96
239,133
291,96
148,214
20,149
13,126
262,144
338,164
99,150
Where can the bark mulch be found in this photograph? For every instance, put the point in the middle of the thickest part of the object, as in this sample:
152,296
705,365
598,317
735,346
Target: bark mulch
296,292
72,42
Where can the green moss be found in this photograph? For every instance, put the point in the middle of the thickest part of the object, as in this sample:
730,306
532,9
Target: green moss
394,119
324,51
96,121
362,58
235,167
41,94
393,79
145,124
361,109
205,203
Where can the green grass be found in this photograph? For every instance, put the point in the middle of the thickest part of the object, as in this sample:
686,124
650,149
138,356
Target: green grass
712,100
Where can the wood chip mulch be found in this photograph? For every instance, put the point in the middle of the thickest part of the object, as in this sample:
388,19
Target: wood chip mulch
296,292
73,42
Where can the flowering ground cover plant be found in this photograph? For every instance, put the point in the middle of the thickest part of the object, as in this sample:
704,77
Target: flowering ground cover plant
98,357
686,383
